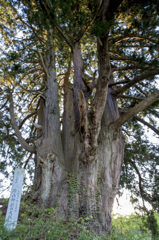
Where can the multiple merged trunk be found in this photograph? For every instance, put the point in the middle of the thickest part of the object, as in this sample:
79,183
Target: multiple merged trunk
78,162
78,165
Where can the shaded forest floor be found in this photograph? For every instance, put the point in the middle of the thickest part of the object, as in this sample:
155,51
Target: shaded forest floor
41,224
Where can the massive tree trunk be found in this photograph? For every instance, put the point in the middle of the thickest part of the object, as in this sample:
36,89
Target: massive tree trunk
79,164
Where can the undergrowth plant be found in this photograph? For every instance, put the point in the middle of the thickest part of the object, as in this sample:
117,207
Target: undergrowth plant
36,223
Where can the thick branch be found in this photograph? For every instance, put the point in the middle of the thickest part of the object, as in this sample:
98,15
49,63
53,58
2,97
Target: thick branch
38,126
61,31
104,76
78,80
22,141
129,97
147,124
136,80
130,36
118,69
32,91
136,109
119,58
4,104
43,64
140,90
26,163
118,83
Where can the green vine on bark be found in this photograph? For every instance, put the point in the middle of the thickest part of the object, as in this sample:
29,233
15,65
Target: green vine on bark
72,191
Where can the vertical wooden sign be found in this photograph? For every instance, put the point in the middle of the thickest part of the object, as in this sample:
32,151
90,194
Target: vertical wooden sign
14,200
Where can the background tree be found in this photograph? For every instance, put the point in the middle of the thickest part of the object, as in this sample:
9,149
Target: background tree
71,121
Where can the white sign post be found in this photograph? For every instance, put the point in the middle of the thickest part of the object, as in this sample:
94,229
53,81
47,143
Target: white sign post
14,200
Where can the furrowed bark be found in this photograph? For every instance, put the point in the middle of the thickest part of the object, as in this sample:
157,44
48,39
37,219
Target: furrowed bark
136,109
50,158
21,140
51,124
68,122
38,170
104,76
84,127
78,82
90,121
102,87
98,181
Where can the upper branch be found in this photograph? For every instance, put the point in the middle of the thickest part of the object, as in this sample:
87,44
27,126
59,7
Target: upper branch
139,175
147,124
26,24
26,118
144,195
136,80
137,108
43,64
64,35
126,37
21,140
129,97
